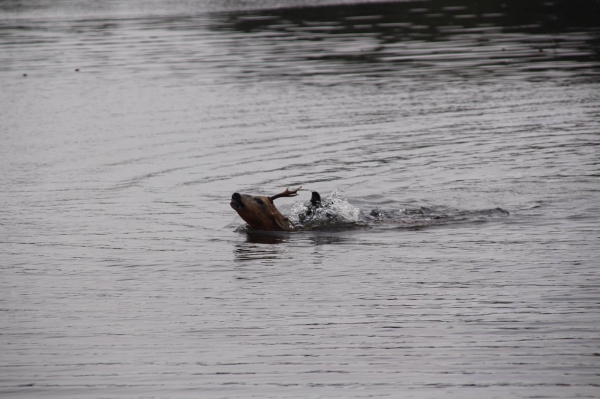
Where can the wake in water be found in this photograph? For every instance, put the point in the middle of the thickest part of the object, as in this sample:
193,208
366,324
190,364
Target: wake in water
336,212
431,216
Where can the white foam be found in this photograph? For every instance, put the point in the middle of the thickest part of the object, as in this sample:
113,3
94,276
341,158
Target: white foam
335,210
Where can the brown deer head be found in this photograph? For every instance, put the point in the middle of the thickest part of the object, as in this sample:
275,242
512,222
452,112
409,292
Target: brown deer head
260,211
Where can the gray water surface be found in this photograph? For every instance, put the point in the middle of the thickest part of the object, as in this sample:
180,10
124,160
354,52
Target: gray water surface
125,273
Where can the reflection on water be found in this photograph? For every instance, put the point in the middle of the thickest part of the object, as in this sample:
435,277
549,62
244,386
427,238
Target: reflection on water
427,40
123,274
264,250
265,238
266,247
375,43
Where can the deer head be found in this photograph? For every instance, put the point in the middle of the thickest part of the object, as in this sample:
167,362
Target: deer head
260,211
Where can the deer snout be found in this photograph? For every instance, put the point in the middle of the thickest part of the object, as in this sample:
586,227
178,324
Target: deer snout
236,201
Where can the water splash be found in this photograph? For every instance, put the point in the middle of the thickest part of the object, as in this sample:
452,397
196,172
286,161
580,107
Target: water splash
334,211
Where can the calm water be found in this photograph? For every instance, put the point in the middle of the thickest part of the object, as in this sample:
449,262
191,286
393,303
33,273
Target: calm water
125,273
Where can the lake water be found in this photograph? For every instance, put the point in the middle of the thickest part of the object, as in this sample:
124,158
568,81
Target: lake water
126,127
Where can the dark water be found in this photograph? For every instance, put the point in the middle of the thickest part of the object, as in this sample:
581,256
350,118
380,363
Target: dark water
125,273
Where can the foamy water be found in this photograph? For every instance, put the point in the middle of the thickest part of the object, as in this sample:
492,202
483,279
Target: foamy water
333,211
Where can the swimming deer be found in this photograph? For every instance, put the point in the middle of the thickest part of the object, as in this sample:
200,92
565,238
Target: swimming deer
260,212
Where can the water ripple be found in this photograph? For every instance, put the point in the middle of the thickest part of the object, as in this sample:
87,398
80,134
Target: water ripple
126,273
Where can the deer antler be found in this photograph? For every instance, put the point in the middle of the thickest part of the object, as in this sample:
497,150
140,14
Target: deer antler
286,193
